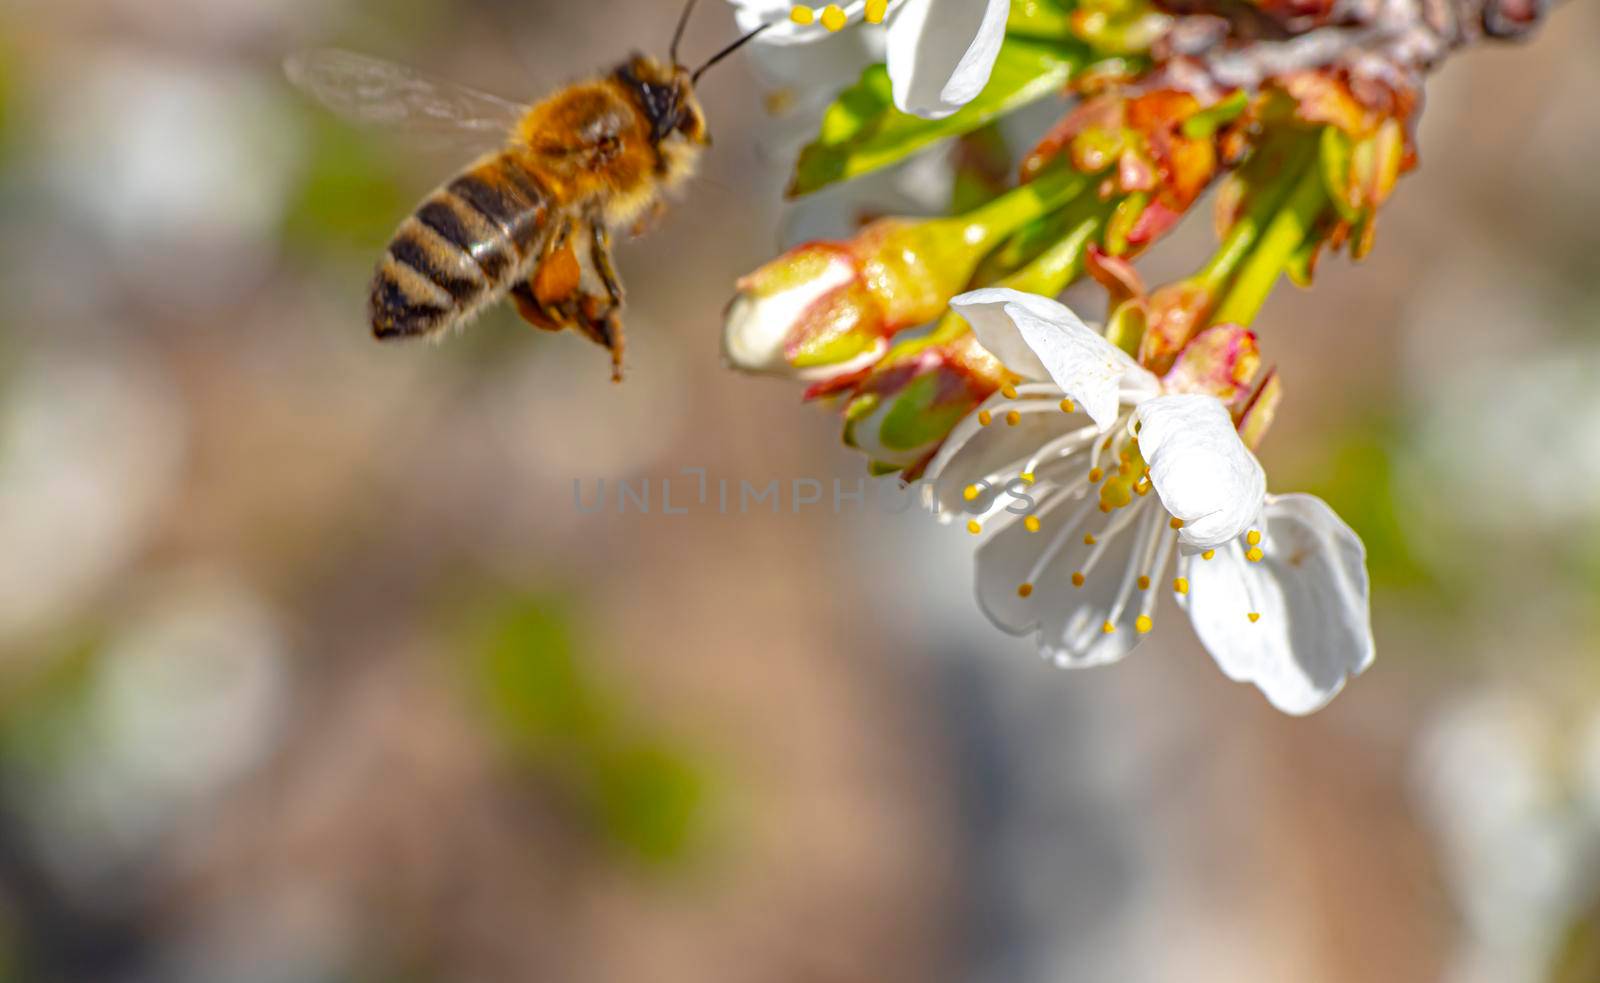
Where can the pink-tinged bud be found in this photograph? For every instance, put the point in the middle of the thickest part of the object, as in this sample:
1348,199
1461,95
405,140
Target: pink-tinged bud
1176,313
1220,360
902,412
828,308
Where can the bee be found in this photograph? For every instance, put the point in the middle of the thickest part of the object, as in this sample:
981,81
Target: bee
533,219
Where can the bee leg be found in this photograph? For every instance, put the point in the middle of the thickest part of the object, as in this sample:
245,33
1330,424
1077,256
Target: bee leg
533,311
604,267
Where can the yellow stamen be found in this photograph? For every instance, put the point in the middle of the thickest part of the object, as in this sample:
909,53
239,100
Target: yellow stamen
984,418
1077,579
1026,476
1253,537
1031,523
1254,617
802,14
1180,585
1176,523
1023,590
1144,624
1009,391
1068,406
1142,489
973,526
876,10
833,17
1144,582
1254,555
1095,474
970,492
1088,539
1109,628
1013,418
1208,554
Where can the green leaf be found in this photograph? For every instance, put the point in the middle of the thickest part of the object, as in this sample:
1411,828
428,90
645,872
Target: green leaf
862,131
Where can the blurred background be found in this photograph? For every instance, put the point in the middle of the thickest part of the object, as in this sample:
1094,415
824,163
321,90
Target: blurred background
311,669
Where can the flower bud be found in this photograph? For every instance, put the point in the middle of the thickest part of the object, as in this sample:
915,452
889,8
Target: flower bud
1220,360
828,308
907,406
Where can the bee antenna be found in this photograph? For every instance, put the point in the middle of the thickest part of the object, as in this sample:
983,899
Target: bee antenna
683,23
725,52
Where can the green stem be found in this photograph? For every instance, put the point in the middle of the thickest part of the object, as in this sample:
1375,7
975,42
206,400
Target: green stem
984,228
1053,270
1247,230
1287,230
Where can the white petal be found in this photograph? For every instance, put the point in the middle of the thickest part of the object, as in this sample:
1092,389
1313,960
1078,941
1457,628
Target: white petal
1070,621
1311,592
941,52
997,453
1201,469
1038,338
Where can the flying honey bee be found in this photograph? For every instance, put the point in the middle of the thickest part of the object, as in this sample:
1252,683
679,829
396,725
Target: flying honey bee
535,218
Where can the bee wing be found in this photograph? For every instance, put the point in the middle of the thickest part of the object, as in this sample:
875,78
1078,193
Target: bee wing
373,91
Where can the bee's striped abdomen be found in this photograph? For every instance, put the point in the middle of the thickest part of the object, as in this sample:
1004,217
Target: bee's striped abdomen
464,248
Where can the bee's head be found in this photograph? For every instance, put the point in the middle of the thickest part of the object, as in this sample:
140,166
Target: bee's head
665,94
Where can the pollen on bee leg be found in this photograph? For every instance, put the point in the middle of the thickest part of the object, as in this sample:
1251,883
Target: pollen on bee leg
801,14
1144,624
876,10
1031,523
833,17
974,527
1023,590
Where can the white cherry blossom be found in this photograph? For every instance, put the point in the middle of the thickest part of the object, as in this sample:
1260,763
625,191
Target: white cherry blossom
1114,477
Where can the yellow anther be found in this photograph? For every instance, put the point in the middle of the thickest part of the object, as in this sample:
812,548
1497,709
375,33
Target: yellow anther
802,14
833,17
1254,555
1077,579
1023,590
1208,554
876,11
1109,628
985,418
1106,507
973,526
1144,624
1180,585
1088,539
1009,391
1026,476
1175,522
1013,418
970,492
1095,474
1068,406
1031,523
1254,617
1144,582
1142,489
1253,537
